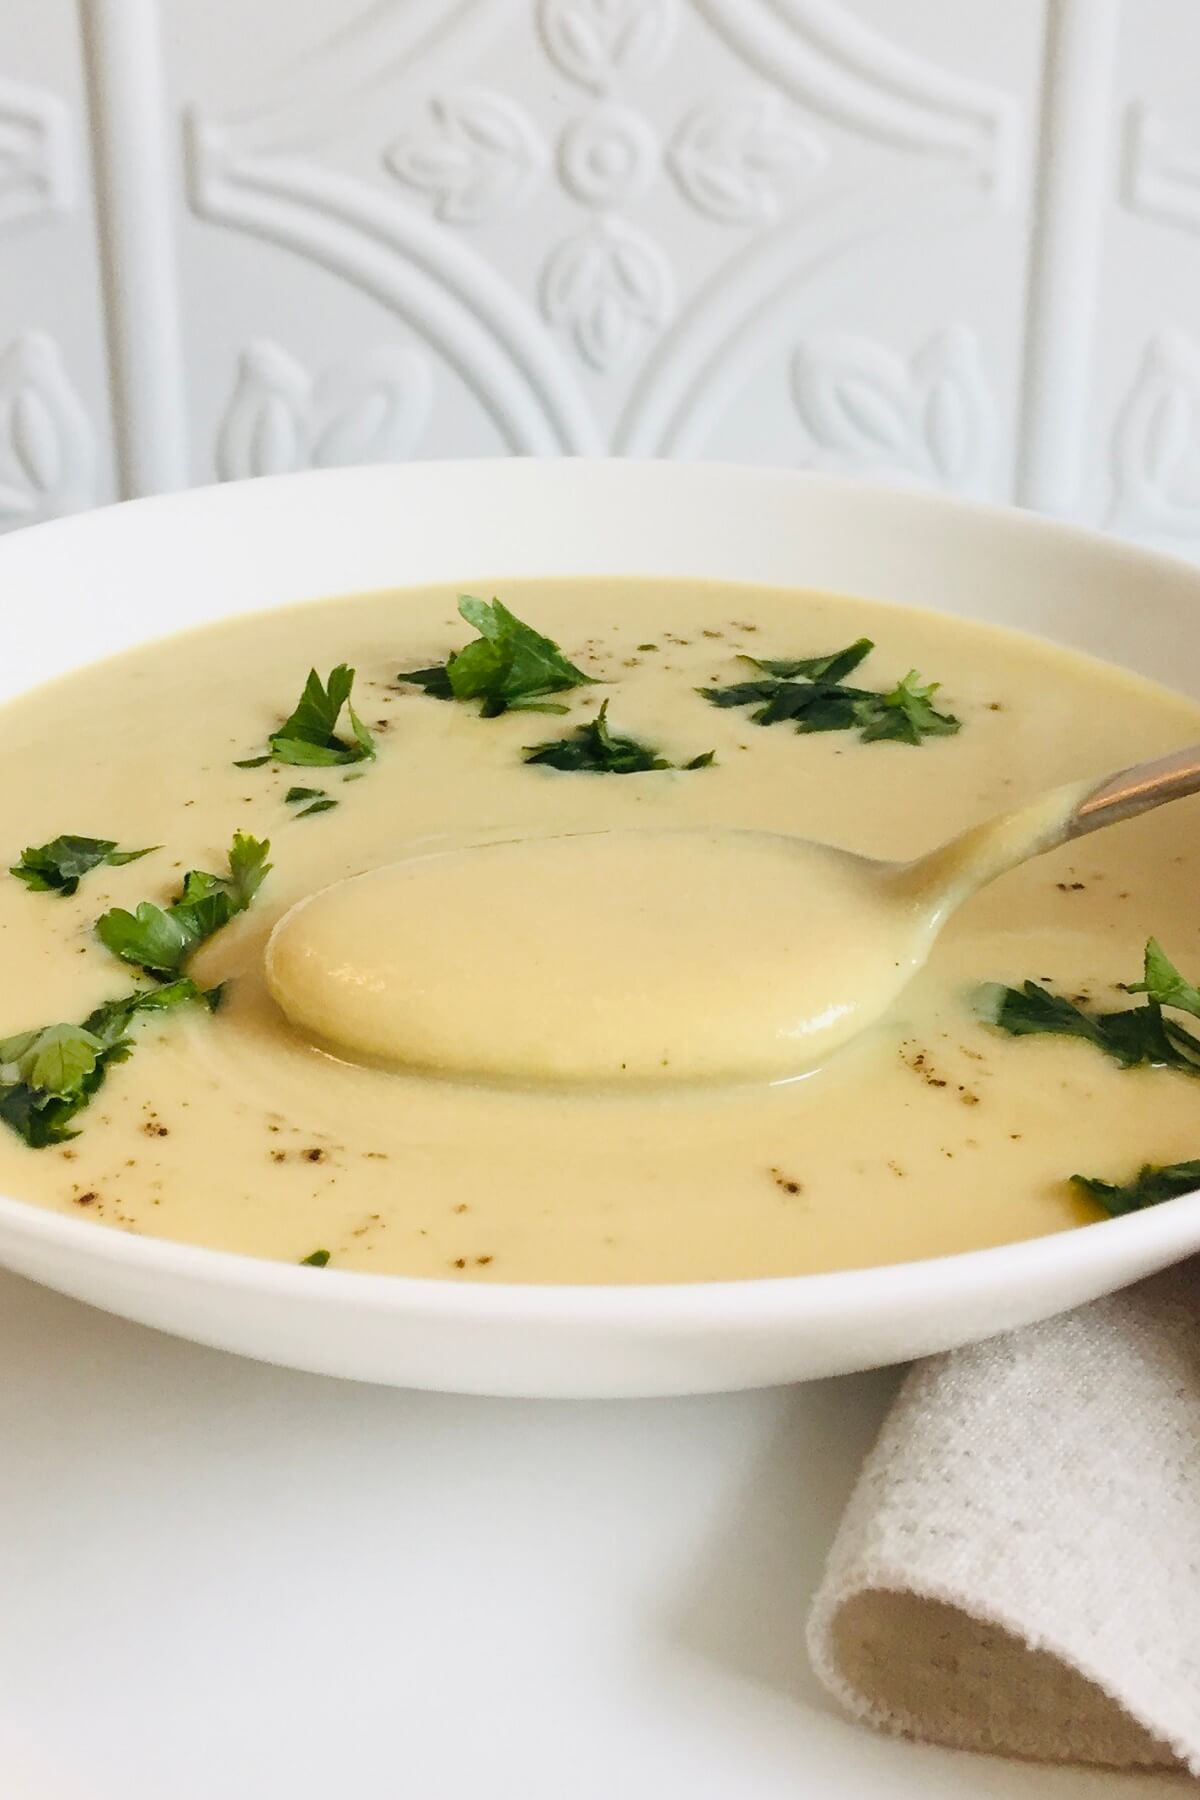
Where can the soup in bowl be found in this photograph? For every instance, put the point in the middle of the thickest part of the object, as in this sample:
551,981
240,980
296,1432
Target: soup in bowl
412,971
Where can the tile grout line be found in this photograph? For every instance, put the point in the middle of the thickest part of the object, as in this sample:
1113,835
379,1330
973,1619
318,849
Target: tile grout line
129,124
1074,159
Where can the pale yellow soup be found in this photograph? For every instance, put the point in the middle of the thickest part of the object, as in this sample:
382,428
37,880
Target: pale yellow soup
933,1132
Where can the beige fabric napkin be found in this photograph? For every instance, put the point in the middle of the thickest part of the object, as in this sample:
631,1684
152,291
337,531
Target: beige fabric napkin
1019,1567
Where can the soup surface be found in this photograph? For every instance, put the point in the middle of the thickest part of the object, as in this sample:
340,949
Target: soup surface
933,1132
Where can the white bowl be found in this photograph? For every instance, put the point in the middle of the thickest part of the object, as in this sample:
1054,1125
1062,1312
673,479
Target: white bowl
98,583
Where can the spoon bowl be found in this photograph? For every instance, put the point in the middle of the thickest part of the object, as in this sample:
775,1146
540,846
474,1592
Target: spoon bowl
615,958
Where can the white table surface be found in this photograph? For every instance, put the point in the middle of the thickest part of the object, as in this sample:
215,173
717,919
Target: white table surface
221,1581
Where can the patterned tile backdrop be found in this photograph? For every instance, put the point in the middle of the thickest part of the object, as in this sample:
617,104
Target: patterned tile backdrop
954,242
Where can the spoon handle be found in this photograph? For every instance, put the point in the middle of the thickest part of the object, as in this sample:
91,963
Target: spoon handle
1137,790
941,880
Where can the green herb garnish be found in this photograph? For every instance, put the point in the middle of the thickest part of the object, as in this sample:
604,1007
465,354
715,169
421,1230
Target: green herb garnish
1153,1183
832,668
308,736
811,693
1162,981
509,667
316,1259
161,939
321,802
59,866
905,714
1134,1036
48,1076
597,750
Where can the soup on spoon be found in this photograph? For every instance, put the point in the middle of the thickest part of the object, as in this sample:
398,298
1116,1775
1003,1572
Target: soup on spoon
649,956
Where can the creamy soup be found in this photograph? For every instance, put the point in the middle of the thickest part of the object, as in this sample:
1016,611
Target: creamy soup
472,1140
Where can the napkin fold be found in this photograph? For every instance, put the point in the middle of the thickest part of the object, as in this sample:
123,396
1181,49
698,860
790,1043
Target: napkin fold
1018,1570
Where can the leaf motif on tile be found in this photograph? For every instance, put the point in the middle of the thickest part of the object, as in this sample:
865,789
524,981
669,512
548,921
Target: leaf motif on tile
607,157
735,159
435,283
610,286
480,158
1156,442
867,410
596,42
372,408
1161,172
825,55
47,446
36,154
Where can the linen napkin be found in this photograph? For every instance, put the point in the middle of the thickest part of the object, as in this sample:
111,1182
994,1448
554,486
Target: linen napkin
1018,1569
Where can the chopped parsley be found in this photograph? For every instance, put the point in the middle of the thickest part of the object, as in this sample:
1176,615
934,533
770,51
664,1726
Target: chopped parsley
49,1075
596,750
161,939
308,736
1153,1183
59,866
812,694
905,714
296,796
316,1259
509,667
1162,981
1134,1036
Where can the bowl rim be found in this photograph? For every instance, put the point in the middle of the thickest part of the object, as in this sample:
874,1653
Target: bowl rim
661,1307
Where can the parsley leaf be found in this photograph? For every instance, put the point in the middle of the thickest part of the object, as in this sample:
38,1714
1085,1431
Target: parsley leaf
811,693
59,866
1134,1036
1032,1009
308,736
48,1076
509,667
161,939
833,667
321,802
1163,982
906,713
1153,1183
316,1259
595,749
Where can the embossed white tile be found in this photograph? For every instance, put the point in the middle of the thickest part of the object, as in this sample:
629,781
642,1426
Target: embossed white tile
656,227
1143,477
54,424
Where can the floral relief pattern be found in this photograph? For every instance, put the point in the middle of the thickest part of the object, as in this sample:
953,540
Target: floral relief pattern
667,157
36,174
47,446
481,158
869,411
735,159
609,286
1156,445
371,409
607,157
596,42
